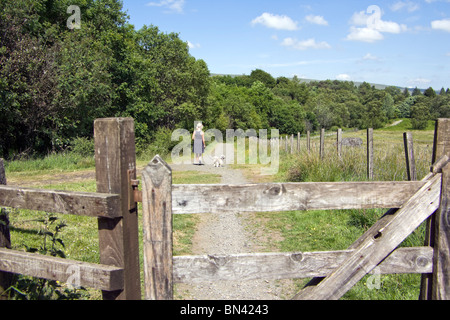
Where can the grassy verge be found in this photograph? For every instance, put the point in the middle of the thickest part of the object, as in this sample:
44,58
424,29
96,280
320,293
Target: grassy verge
338,229
80,236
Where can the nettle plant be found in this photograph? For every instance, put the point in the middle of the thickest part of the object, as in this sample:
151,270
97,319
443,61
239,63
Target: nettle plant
28,288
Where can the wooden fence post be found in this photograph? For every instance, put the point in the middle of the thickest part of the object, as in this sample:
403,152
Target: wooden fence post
322,143
298,142
292,144
308,141
370,153
157,220
437,230
339,142
438,287
115,161
6,278
441,261
409,155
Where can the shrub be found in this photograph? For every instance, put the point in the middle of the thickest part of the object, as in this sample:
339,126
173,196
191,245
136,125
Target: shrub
83,147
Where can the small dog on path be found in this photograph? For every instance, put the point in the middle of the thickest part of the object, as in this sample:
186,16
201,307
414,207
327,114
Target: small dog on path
218,161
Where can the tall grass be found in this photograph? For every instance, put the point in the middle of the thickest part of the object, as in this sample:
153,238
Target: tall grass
338,229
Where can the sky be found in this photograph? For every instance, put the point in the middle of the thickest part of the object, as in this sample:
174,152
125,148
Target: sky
405,43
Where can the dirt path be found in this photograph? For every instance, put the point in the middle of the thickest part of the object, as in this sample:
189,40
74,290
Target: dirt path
227,233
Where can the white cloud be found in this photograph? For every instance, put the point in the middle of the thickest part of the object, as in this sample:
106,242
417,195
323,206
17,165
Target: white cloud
407,5
305,44
317,20
343,77
374,26
172,5
193,45
364,34
276,22
441,25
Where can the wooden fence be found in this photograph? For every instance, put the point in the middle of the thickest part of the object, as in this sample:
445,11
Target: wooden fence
408,204
291,145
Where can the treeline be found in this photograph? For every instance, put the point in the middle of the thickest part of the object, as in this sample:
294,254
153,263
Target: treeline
295,106
54,82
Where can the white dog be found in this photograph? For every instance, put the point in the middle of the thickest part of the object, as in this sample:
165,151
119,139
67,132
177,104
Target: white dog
218,161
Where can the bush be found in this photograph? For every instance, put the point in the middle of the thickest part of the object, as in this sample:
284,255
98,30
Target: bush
83,147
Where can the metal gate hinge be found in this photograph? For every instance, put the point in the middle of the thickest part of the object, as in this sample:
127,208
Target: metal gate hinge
134,194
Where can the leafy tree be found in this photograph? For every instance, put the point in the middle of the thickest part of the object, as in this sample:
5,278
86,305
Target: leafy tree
430,93
264,77
416,92
388,107
420,114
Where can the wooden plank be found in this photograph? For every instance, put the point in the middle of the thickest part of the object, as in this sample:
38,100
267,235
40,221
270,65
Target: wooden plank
370,163
298,142
115,155
273,197
73,272
295,265
409,155
157,219
381,243
441,243
65,202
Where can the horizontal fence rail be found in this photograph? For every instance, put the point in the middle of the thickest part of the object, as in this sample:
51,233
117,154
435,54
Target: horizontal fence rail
274,197
82,274
74,203
296,265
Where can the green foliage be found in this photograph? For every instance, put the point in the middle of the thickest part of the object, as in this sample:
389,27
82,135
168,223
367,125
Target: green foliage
54,82
420,114
27,288
83,147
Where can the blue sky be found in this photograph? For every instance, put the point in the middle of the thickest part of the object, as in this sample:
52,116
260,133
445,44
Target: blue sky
397,42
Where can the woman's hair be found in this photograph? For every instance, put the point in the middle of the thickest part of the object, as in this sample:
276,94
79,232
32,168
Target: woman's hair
199,126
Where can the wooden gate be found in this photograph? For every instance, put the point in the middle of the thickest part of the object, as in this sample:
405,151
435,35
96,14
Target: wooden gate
409,204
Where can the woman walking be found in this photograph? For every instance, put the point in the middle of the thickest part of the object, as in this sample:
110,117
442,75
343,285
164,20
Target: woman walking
199,143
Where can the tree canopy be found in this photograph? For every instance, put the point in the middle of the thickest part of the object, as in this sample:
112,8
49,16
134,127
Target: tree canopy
55,81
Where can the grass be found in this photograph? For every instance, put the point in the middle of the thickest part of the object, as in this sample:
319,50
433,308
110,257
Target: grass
338,229
80,237
286,231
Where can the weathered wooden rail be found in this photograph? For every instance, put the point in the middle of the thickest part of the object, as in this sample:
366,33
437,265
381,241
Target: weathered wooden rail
408,204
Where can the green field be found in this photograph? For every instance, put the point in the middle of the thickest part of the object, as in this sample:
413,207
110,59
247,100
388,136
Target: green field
286,231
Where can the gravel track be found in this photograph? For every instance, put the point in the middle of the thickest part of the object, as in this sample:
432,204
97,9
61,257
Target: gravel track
227,233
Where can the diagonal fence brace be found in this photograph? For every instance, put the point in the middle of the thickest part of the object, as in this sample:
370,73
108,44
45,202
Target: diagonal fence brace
379,244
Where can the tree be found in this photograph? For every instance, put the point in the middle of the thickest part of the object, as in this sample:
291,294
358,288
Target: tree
430,93
264,77
373,116
388,107
416,92
420,114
